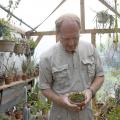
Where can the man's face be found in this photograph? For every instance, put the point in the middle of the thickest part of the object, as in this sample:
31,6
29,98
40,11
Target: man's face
69,36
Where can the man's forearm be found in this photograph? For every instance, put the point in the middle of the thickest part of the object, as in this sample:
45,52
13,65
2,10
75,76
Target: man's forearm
97,84
51,95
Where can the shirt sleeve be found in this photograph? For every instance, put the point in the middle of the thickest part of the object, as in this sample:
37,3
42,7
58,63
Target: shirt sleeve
99,65
45,75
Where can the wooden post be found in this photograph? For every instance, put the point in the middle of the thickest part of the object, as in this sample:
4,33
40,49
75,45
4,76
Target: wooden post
93,39
82,11
38,39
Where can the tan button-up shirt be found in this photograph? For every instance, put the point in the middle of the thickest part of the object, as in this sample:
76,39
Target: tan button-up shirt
64,72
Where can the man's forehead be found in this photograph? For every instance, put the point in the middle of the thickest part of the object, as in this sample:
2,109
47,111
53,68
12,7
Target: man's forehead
67,35
68,23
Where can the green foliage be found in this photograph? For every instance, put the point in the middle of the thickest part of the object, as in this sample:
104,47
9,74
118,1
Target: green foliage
24,66
114,114
108,110
9,67
38,102
31,43
76,97
5,30
4,117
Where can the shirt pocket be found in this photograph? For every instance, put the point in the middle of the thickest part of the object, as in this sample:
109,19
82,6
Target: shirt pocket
88,64
61,76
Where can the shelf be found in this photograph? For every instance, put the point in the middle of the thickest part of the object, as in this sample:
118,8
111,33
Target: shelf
15,83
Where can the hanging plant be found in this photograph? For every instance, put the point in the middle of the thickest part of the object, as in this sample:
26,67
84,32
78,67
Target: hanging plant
6,41
13,4
5,31
104,19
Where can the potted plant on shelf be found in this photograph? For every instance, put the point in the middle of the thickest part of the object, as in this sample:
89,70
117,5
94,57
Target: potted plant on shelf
6,41
9,71
2,79
24,66
31,68
19,112
9,74
20,47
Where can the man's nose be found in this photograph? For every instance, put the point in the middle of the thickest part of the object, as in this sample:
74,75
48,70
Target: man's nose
71,42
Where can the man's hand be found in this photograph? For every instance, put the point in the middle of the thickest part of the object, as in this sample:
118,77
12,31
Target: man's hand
64,102
61,100
88,97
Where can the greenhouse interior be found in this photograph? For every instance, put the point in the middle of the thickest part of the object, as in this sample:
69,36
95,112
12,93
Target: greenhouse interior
46,72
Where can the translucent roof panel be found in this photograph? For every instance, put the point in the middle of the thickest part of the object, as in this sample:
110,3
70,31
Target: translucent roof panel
34,12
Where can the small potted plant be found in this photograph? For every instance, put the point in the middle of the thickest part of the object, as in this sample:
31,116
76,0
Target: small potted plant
76,98
20,47
24,66
2,79
32,44
9,75
9,71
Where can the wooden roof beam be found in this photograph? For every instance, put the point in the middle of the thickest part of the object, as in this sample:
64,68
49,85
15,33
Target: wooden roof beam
85,31
38,39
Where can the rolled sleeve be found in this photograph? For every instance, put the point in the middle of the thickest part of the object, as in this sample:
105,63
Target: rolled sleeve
45,76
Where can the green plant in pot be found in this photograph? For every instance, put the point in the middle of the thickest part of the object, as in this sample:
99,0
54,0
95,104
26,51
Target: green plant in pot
32,44
76,97
25,65
9,68
4,29
6,40
2,79
9,73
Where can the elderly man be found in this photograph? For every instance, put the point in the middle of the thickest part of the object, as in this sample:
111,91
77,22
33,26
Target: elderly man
71,65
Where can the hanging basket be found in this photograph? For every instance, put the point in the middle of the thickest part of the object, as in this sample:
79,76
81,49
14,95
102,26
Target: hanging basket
102,17
7,46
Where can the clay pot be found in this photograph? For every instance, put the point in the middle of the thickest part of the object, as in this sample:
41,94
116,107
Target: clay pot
8,79
24,76
2,80
18,77
19,115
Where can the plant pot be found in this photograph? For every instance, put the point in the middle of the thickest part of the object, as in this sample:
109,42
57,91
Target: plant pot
19,115
24,77
20,48
2,80
18,77
7,46
102,17
9,79
77,98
